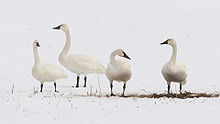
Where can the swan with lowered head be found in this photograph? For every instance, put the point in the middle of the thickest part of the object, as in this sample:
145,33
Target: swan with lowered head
174,71
77,63
48,72
118,70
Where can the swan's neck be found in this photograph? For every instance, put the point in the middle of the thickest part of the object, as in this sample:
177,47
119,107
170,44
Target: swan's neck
112,58
36,55
67,44
174,54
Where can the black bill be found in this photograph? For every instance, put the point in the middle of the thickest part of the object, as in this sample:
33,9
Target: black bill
58,27
165,42
38,45
126,56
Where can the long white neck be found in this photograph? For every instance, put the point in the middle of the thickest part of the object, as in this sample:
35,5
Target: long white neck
174,54
112,57
67,44
36,55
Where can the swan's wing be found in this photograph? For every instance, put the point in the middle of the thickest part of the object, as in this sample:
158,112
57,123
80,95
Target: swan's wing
119,71
181,71
124,63
111,71
86,64
181,66
54,70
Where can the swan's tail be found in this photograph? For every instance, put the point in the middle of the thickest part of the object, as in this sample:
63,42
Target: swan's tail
96,69
101,70
64,76
183,82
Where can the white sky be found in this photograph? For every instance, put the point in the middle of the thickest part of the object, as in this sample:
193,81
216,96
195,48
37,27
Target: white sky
101,26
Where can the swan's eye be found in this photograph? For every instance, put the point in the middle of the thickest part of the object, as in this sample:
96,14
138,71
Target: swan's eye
168,40
37,44
60,26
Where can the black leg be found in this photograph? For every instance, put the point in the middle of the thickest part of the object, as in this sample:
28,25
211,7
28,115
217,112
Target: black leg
111,86
41,87
168,88
77,84
180,88
55,85
85,81
124,89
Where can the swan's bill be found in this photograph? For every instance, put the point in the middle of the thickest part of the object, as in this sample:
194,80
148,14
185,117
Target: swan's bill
37,44
165,42
126,56
58,27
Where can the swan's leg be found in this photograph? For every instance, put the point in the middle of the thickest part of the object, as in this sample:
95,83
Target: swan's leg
41,87
85,79
55,85
180,87
124,89
168,87
111,86
77,83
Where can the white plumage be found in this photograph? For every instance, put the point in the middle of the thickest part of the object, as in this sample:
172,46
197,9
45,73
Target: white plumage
48,72
118,70
174,71
77,63
82,64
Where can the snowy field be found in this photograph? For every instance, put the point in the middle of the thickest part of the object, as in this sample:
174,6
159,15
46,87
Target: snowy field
97,28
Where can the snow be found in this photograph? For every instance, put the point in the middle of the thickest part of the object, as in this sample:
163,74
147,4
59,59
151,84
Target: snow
97,28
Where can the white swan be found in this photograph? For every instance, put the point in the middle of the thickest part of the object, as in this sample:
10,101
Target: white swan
118,70
174,71
48,72
77,63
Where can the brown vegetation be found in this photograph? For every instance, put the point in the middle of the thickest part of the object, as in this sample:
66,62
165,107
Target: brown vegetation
184,95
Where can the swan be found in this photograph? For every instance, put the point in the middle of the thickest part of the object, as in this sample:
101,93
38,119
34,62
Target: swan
48,72
77,63
118,70
174,71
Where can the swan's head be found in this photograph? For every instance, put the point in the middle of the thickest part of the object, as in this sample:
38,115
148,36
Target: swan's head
169,42
62,27
36,44
121,53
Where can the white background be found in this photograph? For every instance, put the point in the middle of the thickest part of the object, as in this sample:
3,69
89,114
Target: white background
97,28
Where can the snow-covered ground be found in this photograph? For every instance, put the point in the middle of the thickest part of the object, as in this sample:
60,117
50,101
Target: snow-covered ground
97,28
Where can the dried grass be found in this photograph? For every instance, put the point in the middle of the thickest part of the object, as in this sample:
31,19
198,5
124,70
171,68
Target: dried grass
184,95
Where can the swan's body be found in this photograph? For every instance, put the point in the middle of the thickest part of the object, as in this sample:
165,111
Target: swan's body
77,63
81,64
48,72
118,70
175,74
174,71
